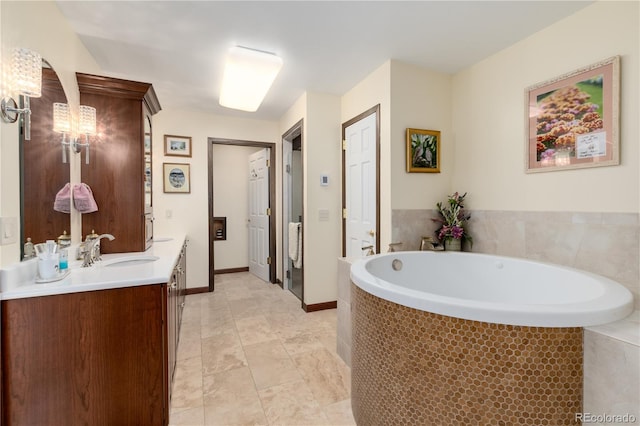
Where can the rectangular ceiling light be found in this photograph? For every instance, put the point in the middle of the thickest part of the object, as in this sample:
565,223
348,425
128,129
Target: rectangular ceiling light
248,75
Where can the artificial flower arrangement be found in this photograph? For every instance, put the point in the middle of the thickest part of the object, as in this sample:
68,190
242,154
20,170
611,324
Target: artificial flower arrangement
452,219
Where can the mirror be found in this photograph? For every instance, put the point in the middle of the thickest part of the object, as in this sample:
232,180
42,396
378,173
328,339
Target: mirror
147,160
42,172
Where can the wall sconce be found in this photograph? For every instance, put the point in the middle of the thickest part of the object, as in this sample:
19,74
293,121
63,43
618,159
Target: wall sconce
64,122
26,81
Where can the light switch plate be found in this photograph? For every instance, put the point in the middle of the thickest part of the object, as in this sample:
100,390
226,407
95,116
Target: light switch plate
8,230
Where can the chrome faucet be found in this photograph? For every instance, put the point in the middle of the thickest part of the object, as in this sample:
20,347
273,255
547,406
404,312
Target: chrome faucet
429,244
392,247
92,251
370,251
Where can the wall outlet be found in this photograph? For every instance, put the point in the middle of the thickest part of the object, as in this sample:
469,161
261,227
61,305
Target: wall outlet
8,230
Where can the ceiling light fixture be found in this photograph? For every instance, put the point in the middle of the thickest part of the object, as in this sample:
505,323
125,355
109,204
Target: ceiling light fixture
248,75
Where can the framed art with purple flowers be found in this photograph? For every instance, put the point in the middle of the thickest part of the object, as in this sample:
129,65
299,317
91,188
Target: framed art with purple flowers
572,120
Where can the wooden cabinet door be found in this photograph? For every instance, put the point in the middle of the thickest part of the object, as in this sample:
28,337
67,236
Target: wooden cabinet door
91,358
172,329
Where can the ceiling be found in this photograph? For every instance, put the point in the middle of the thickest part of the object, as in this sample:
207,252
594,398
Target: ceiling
326,46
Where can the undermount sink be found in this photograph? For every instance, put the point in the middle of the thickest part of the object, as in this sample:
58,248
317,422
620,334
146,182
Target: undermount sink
131,261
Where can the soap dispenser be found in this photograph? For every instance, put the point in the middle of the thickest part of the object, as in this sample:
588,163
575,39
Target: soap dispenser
29,249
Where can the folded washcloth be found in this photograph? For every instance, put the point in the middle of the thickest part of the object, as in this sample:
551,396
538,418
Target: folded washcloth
62,203
83,198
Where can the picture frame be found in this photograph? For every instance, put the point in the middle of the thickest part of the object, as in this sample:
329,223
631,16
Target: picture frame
147,143
572,121
177,146
176,177
423,151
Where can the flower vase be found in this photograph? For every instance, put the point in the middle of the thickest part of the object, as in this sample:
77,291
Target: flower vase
453,244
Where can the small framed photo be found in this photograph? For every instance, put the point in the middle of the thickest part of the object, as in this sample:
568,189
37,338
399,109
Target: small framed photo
177,178
147,143
178,146
572,120
423,151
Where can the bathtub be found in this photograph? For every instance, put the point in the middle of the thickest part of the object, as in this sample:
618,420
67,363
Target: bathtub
493,289
462,338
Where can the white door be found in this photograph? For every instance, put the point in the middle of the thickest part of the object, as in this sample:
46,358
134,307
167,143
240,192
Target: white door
360,186
258,214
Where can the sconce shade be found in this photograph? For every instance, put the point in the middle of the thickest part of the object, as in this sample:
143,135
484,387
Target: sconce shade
87,120
248,75
61,118
26,69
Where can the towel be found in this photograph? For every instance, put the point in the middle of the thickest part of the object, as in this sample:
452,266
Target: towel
62,202
83,198
295,244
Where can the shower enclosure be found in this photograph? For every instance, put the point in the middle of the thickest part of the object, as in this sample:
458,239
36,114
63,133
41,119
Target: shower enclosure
293,255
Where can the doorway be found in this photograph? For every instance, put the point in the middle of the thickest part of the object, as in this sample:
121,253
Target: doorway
361,184
266,206
293,211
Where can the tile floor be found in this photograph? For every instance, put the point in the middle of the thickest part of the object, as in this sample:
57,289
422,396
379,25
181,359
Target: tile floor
249,355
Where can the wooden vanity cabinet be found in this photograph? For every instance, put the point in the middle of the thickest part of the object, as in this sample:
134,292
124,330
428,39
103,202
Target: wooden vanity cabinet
89,358
118,159
104,357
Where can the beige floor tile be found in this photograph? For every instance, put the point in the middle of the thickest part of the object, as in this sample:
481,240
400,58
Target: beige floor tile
249,355
327,375
187,384
270,364
230,398
254,330
339,413
187,417
221,352
292,403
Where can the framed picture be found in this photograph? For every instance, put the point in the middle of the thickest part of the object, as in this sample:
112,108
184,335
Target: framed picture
572,120
177,177
178,146
423,151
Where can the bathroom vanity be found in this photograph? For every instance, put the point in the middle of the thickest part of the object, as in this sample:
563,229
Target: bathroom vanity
98,347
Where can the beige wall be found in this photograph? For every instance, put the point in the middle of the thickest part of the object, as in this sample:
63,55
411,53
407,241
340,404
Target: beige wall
489,118
373,90
420,99
189,212
231,195
321,155
41,27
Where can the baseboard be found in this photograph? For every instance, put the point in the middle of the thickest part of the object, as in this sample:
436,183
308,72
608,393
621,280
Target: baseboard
196,290
319,306
231,270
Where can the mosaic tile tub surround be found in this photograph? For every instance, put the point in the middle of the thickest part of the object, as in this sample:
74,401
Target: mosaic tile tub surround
415,367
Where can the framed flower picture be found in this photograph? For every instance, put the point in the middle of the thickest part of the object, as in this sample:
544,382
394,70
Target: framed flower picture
423,151
572,120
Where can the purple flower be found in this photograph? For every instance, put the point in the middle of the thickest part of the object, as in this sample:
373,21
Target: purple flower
444,231
457,232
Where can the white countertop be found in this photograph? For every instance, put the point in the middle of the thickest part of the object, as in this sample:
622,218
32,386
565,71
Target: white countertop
100,276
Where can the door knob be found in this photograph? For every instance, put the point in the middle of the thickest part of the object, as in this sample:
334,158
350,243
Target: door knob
372,232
